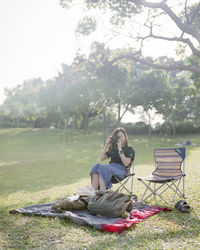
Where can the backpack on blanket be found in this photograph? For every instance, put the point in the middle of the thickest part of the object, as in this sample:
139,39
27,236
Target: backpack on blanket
110,204
69,204
77,201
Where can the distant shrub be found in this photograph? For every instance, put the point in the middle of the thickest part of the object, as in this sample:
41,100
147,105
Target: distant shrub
97,122
187,128
182,127
136,128
6,124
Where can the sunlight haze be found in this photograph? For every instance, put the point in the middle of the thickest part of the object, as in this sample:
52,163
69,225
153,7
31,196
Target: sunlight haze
38,36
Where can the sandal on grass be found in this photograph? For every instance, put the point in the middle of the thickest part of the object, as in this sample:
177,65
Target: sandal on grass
182,206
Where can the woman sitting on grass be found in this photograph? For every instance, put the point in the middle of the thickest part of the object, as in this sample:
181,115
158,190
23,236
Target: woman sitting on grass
122,156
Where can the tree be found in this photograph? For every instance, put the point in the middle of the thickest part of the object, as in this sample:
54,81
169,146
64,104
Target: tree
78,91
109,83
176,105
49,105
23,101
185,19
148,91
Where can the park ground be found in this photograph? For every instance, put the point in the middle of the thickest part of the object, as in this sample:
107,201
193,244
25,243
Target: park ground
39,166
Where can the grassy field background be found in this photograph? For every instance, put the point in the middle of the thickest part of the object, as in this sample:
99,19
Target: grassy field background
38,166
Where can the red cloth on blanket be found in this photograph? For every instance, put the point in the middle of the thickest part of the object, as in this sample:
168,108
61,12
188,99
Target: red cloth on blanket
135,217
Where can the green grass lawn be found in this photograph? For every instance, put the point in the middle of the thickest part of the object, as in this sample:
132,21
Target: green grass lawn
39,166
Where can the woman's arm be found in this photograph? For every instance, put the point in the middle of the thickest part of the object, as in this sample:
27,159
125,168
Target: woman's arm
103,155
125,160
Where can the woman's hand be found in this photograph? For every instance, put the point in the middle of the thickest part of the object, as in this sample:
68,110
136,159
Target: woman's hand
103,152
119,145
108,141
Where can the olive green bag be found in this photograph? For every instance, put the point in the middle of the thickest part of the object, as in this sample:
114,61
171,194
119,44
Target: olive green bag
69,203
110,204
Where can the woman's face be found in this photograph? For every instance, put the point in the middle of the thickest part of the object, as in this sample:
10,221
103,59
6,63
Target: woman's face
121,137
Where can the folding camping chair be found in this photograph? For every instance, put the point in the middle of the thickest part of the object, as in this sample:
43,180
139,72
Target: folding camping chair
123,184
168,174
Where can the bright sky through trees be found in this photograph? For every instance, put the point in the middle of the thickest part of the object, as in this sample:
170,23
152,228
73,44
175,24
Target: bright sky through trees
38,36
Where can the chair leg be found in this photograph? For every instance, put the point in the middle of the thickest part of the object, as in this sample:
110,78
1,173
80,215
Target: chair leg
147,188
159,194
178,192
183,186
154,191
131,185
123,185
175,189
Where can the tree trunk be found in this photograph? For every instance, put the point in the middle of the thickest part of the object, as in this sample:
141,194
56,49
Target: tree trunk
104,124
150,128
121,115
84,122
118,113
173,126
73,127
17,122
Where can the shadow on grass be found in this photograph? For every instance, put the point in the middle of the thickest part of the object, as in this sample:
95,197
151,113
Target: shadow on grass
185,220
41,182
136,237
151,240
36,160
22,232
142,237
17,227
33,160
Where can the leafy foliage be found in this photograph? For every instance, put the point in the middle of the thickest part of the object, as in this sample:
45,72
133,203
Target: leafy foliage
93,86
86,26
126,13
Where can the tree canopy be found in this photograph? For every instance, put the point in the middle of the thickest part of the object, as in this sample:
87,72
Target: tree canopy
113,81
182,16
91,86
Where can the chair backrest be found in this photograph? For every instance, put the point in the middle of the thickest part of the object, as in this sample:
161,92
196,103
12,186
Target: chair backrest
168,162
130,167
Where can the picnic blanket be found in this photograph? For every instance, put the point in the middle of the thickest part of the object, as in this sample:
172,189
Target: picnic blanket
139,212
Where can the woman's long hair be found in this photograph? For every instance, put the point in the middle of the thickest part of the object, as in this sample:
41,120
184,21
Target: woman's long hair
113,147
